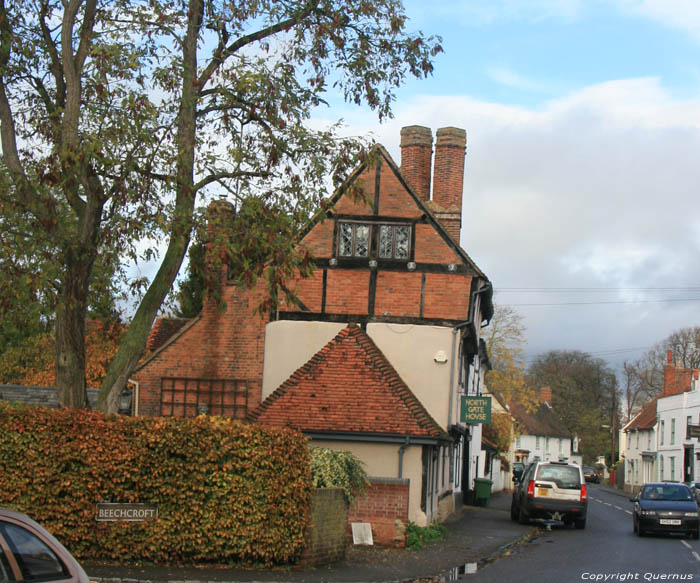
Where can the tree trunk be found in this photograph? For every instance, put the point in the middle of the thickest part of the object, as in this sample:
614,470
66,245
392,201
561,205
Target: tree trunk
134,343
70,343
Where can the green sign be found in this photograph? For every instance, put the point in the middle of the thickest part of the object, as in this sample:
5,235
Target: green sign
475,410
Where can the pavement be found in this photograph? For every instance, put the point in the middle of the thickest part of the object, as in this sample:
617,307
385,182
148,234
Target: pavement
476,536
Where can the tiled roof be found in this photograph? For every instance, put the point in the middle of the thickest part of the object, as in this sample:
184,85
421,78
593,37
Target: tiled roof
163,330
348,387
646,419
543,421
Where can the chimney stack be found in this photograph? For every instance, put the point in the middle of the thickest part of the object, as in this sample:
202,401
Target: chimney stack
448,178
546,395
416,158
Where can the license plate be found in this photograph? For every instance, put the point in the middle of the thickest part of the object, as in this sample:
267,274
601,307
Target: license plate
669,521
543,491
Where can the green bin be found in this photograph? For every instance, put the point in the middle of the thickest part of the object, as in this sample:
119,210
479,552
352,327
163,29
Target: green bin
482,491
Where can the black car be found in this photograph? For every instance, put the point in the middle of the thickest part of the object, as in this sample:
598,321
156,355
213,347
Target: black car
551,491
665,507
591,474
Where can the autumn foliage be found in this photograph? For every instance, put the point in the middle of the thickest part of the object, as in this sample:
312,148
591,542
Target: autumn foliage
226,492
33,361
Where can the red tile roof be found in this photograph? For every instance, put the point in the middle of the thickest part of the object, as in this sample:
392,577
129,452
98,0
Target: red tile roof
163,330
646,419
348,387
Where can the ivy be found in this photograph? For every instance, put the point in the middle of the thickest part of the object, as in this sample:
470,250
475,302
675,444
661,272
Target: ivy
338,469
226,492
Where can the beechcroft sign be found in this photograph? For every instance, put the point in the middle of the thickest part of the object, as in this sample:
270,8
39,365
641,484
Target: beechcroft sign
475,410
109,512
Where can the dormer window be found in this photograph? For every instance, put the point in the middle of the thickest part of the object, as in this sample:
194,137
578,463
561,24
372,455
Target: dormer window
374,240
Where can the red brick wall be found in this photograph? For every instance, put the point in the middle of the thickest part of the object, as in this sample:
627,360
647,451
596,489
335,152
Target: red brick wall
385,507
218,345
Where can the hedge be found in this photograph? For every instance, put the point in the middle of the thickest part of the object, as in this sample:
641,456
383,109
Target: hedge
226,492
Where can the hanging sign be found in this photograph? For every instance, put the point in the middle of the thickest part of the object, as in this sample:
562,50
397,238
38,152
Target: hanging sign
475,410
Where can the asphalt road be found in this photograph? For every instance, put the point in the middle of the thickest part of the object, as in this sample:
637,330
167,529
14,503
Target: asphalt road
606,551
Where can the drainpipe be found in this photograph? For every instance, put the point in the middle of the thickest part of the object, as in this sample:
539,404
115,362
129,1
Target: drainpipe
136,395
402,450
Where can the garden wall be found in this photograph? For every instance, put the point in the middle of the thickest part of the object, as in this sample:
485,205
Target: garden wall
385,507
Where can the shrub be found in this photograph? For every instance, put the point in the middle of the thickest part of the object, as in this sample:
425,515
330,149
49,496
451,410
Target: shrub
226,491
417,535
338,469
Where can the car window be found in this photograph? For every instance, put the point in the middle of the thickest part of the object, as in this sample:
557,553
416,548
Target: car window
562,476
6,575
666,493
36,560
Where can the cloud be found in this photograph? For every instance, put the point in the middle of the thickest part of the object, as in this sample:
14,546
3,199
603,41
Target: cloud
679,14
597,189
509,78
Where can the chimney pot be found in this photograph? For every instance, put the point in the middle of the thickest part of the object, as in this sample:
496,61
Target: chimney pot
416,159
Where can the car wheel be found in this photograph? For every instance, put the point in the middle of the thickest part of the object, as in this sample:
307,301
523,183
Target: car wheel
634,526
695,534
523,518
580,523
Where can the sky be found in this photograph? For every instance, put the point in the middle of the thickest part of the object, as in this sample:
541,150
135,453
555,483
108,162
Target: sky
581,199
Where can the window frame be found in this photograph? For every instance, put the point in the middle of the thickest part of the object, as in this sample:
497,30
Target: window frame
374,240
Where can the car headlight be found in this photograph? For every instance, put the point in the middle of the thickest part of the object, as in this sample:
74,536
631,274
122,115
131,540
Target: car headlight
693,514
648,512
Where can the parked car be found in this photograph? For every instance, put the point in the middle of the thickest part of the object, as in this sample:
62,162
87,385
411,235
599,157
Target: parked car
665,507
551,491
29,553
591,474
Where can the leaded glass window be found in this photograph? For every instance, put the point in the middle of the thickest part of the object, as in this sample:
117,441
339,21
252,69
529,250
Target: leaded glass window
394,241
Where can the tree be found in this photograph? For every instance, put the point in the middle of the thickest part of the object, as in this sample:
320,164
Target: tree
504,339
585,396
191,293
116,118
644,378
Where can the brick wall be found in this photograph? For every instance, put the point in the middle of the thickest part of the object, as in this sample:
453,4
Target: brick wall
217,345
326,538
385,507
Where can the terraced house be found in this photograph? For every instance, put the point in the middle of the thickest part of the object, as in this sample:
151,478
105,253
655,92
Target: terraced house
377,350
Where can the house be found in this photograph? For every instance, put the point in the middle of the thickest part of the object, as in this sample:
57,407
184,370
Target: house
540,435
656,446
379,345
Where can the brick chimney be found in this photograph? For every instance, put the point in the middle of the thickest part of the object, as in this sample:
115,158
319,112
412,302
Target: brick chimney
448,178
416,158
677,379
546,395
220,213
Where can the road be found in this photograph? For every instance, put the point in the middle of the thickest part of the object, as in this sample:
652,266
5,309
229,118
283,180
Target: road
607,551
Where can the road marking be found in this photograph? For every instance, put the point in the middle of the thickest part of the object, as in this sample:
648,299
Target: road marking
686,544
629,512
618,508
697,558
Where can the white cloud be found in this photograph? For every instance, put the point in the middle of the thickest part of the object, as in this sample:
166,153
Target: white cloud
596,189
509,78
680,14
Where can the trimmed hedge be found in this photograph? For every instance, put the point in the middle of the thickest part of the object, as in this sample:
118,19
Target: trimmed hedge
226,492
